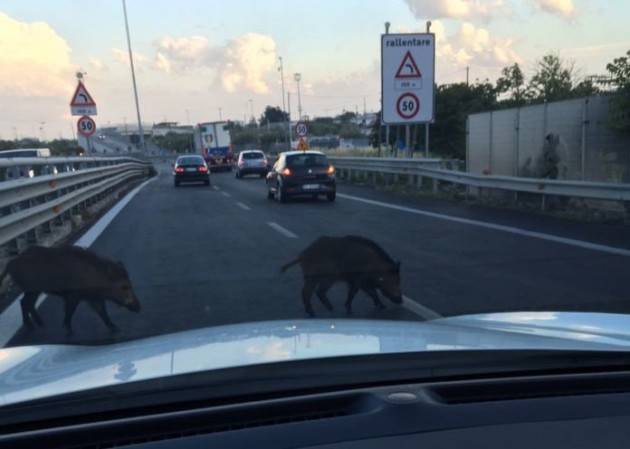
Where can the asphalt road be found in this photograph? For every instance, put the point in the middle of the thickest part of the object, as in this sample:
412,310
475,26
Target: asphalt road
204,256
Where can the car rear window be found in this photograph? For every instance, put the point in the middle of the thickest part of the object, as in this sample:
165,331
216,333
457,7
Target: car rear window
307,160
190,160
253,155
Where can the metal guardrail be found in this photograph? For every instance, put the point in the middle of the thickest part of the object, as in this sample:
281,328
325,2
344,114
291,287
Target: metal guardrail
434,169
37,199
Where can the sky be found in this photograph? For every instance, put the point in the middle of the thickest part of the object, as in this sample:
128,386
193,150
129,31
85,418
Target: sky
194,57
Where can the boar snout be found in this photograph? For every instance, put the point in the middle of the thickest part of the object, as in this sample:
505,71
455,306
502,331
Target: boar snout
133,304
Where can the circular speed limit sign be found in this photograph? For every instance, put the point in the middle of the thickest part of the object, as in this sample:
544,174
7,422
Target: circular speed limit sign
86,126
408,105
301,129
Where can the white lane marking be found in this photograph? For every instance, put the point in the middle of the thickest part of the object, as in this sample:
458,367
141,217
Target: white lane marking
215,187
11,318
281,230
243,206
97,228
225,194
496,227
420,310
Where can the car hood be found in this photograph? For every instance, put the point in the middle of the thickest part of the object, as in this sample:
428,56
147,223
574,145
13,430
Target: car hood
34,372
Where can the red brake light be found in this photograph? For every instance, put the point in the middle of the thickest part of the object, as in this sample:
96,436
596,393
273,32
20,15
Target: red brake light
203,169
286,172
179,170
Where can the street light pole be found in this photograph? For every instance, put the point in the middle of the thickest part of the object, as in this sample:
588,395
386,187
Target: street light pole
133,77
297,78
284,109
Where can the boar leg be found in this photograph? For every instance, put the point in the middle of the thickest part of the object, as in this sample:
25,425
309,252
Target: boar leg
70,305
307,292
99,307
352,291
28,307
372,293
324,286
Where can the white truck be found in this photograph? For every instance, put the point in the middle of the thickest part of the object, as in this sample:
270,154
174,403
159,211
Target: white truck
212,142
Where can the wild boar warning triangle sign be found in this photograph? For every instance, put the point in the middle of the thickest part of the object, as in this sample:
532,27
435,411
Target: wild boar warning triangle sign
408,68
82,102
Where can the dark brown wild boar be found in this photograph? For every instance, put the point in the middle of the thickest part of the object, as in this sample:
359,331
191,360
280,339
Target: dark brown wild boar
358,261
74,274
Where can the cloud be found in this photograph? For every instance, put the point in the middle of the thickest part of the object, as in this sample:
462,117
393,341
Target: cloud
244,62
122,57
41,67
248,60
98,65
471,45
183,53
564,8
456,9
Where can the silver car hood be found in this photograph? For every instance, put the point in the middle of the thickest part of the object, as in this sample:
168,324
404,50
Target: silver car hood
33,372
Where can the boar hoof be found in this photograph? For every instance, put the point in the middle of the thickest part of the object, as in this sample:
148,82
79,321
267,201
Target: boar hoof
114,329
69,333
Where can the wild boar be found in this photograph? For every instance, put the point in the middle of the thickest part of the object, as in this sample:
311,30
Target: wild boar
74,274
358,261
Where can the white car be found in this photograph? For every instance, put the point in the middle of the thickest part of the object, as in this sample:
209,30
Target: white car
251,162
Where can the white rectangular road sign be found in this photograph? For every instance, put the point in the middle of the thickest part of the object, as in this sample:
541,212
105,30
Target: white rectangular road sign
407,77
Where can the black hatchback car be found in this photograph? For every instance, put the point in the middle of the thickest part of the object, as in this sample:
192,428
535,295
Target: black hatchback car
301,173
191,168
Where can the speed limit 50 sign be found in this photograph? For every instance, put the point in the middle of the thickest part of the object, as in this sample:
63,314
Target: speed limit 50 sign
86,126
407,77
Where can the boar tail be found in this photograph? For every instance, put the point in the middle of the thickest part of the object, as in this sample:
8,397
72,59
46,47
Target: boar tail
285,267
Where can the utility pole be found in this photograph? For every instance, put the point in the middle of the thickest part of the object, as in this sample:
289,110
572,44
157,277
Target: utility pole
251,108
289,112
284,106
297,78
426,125
467,73
387,25
133,78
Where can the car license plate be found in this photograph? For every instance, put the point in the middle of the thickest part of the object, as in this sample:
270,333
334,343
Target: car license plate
191,169
310,186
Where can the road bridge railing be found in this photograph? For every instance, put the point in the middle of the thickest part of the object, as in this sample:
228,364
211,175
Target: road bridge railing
445,171
37,194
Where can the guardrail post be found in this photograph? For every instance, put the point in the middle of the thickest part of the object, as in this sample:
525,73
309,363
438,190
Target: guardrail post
419,182
435,185
543,199
410,180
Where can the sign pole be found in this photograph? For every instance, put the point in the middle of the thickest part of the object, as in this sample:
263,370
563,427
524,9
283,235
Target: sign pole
426,139
387,25
407,139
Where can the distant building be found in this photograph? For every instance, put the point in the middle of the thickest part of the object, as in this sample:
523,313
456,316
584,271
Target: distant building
162,129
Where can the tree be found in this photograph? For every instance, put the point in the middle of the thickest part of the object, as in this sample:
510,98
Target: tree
179,143
553,79
453,104
323,126
350,131
585,88
273,115
512,82
346,116
619,71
